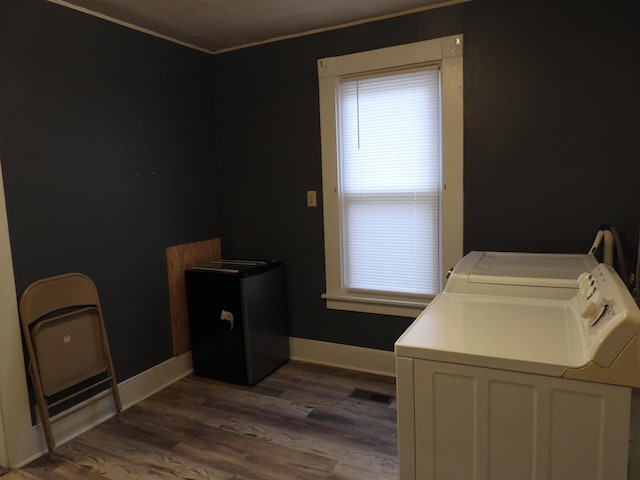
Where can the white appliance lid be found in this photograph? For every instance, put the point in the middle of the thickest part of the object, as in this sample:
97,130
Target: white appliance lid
541,336
532,269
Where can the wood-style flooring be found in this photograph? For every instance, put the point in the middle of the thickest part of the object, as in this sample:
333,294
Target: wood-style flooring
304,422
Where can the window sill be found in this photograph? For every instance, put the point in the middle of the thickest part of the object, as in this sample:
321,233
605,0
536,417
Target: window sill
382,306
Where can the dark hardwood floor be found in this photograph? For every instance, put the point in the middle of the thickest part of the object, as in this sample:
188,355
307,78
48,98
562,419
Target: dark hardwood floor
303,422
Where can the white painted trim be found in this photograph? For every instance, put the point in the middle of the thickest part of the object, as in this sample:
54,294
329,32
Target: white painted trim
145,384
362,359
14,399
96,410
446,52
398,308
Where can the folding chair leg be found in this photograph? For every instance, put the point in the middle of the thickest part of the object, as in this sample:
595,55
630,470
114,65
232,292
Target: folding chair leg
48,432
44,411
116,397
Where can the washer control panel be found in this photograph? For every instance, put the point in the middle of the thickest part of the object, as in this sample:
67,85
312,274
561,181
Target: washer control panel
609,314
593,305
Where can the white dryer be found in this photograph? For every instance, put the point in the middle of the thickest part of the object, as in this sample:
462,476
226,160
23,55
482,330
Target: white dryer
505,383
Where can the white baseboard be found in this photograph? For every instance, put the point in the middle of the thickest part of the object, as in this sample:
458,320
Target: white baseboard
99,408
362,359
137,388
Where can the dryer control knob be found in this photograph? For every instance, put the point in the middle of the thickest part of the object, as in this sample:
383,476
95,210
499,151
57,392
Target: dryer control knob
593,312
583,278
594,296
587,289
601,311
589,311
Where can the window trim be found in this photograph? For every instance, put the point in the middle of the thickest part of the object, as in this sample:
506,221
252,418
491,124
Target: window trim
447,52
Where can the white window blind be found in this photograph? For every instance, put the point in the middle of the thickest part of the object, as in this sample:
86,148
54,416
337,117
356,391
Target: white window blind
390,156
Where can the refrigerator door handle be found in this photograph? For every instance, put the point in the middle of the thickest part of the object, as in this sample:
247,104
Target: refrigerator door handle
228,316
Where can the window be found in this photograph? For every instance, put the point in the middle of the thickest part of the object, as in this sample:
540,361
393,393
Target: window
391,123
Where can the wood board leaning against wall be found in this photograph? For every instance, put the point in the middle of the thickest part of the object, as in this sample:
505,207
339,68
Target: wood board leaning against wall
180,258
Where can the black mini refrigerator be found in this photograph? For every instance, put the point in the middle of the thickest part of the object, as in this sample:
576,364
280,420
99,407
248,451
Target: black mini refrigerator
238,319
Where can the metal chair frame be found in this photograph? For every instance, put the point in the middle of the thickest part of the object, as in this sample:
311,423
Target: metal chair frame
66,341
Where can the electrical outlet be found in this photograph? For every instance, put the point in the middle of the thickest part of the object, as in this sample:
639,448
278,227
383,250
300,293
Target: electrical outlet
312,200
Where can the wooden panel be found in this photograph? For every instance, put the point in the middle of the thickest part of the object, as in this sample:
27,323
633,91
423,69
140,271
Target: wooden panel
180,258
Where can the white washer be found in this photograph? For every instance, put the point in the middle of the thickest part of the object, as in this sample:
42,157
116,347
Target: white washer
507,386
544,275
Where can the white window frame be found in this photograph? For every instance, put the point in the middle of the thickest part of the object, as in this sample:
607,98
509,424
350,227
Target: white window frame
445,52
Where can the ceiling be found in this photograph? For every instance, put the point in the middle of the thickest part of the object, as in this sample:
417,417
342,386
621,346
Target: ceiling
215,26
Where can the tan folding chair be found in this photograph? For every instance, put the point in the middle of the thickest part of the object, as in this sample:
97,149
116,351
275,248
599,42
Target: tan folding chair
66,341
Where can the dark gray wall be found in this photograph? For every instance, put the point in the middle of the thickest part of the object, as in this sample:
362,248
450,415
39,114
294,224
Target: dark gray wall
108,148
550,99
107,145
551,121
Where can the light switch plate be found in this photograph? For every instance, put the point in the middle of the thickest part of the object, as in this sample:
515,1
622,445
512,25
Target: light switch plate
312,200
